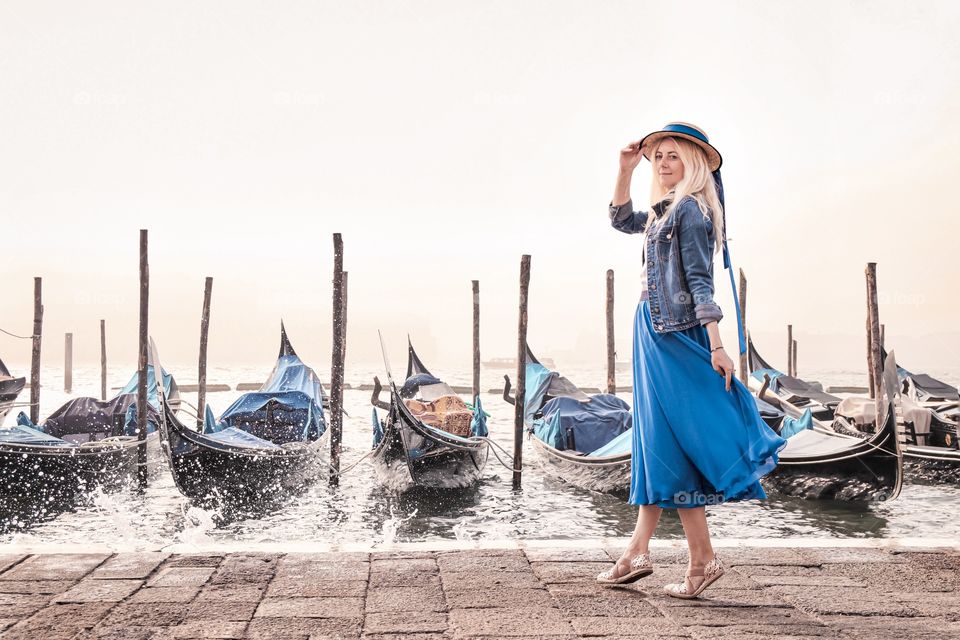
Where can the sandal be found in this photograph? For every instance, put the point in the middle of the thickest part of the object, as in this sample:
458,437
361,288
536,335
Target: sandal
711,573
640,567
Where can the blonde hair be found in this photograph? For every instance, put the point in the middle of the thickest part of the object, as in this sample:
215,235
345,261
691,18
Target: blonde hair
697,183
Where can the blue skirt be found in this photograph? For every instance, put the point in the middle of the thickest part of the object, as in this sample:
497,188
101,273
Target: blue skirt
694,442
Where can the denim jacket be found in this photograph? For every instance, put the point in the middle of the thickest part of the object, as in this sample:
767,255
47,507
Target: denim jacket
679,256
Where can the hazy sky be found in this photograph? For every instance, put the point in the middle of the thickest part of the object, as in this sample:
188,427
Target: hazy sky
445,139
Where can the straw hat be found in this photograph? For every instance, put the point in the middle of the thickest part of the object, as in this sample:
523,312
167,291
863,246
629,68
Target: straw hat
686,131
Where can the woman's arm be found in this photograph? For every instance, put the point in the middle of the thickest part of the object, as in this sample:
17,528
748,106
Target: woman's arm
622,216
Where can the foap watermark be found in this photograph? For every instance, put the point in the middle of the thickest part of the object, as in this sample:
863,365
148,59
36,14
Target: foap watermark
697,499
897,298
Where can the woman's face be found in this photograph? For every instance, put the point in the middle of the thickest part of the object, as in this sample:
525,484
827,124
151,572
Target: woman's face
666,162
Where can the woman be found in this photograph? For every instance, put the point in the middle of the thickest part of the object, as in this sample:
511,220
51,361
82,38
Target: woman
697,439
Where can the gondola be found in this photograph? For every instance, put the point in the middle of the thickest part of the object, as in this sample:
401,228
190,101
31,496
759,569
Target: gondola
266,447
416,450
925,389
584,440
824,462
10,388
84,445
932,453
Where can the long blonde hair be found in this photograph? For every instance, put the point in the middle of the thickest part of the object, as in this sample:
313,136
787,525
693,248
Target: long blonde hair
697,183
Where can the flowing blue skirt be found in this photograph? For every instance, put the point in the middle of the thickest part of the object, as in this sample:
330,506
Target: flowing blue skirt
694,442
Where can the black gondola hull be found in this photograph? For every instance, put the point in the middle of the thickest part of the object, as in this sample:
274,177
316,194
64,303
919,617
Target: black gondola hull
37,480
610,474
214,475
411,455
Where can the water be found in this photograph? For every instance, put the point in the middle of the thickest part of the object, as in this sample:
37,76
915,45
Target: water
360,511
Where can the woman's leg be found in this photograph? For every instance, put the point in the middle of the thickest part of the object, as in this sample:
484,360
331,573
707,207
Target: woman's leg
695,527
647,519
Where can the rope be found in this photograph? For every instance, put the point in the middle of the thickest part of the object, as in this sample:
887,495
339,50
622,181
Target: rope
16,336
493,445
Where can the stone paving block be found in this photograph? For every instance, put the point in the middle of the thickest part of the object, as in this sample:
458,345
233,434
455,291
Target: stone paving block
764,632
226,611
157,614
245,568
652,626
207,629
769,556
91,590
480,553
292,587
756,570
7,560
485,580
717,597
16,605
243,592
130,566
195,560
411,566
592,554
123,633
949,560
892,628
165,594
324,556
60,566
808,581
833,555
837,600
722,616
897,577
181,577
387,579
405,622
483,563
303,628
35,587
498,597
58,621
504,622
553,572
396,636
325,571
405,599
403,555
310,608
945,605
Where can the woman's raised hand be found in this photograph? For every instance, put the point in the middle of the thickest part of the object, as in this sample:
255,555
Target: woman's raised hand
630,157
722,364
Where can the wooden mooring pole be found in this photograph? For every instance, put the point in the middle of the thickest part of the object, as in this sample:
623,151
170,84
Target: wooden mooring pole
743,322
611,346
336,373
68,363
521,372
142,364
789,349
103,359
793,359
36,339
476,338
202,365
873,313
343,324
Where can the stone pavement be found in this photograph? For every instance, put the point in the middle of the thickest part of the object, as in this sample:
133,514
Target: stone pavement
431,595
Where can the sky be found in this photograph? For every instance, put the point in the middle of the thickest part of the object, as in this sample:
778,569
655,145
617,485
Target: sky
446,139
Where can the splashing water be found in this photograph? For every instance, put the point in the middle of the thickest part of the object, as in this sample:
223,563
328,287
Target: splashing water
197,525
461,532
391,526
